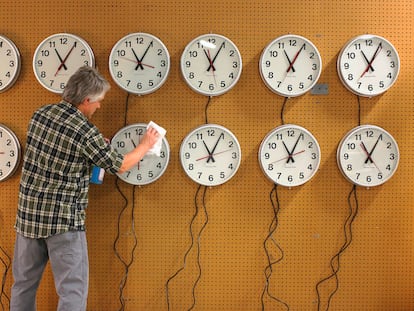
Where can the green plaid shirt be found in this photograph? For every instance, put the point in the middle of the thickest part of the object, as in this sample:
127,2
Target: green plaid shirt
60,149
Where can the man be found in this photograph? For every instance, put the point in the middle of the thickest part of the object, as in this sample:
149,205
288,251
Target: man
62,145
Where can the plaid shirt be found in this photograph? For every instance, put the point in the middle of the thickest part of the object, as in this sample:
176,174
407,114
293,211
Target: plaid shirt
60,149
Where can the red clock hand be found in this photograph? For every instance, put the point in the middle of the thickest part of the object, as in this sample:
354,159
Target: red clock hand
296,56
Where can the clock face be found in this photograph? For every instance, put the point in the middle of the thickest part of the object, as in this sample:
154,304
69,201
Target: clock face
151,167
58,57
211,64
368,65
9,152
368,156
139,63
290,65
210,155
10,63
289,155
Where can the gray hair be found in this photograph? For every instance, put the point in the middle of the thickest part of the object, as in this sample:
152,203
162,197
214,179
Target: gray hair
86,82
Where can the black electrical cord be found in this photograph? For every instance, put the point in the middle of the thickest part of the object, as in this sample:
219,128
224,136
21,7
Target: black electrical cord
282,111
274,199
6,264
197,208
335,260
125,263
206,108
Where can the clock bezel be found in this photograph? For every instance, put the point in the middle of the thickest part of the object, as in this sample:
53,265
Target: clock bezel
18,149
146,157
277,90
214,92
18,64
85,44
346,138
202,128
282,128
130,89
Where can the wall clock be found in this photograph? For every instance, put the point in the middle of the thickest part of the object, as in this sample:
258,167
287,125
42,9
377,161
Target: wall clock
368,65
10,152
290,65
10,63
211,64
289,155
368,156
151,167
57,57
210,155
139,63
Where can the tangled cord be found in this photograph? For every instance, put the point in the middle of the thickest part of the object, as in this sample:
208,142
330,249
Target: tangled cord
272,228
335,260
182,268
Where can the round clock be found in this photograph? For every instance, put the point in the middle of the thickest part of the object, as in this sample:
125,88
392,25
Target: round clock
139,63
289,155
368,156
9,152
10,63
368,65
210,155
57,57
211,64
290,65
151,167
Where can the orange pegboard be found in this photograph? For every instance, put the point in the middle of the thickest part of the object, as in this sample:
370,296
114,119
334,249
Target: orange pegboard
377,270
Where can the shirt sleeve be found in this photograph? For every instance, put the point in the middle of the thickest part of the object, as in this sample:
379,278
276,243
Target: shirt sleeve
102,154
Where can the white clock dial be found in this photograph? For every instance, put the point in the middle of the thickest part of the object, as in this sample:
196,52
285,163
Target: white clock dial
151,167
10,63
210,155
289,155
211,64
139,63
368,156
368,65
290,65
58,57
9,152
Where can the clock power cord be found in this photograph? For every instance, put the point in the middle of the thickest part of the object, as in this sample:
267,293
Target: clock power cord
6,262
274,199
191,246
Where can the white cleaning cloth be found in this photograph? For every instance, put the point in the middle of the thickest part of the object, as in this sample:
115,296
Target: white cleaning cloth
156,149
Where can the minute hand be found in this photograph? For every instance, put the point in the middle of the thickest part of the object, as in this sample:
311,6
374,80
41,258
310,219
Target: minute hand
215,56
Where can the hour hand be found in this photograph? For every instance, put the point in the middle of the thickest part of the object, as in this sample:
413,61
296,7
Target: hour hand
210,154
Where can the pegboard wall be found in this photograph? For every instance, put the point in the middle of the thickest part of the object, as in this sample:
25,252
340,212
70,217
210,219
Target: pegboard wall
227,263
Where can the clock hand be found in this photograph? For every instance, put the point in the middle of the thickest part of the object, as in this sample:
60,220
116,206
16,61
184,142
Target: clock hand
296,56
372,59
290,63
210,154
62,63
284,158
145,53
214,59
289,157
293,150
202,158
369,155
138,60
372,150
366,59
207,54
215,146
61,60
134,61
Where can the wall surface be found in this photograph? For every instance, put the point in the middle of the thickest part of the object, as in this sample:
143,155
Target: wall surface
226,265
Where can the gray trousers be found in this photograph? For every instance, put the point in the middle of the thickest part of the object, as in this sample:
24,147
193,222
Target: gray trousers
68,257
